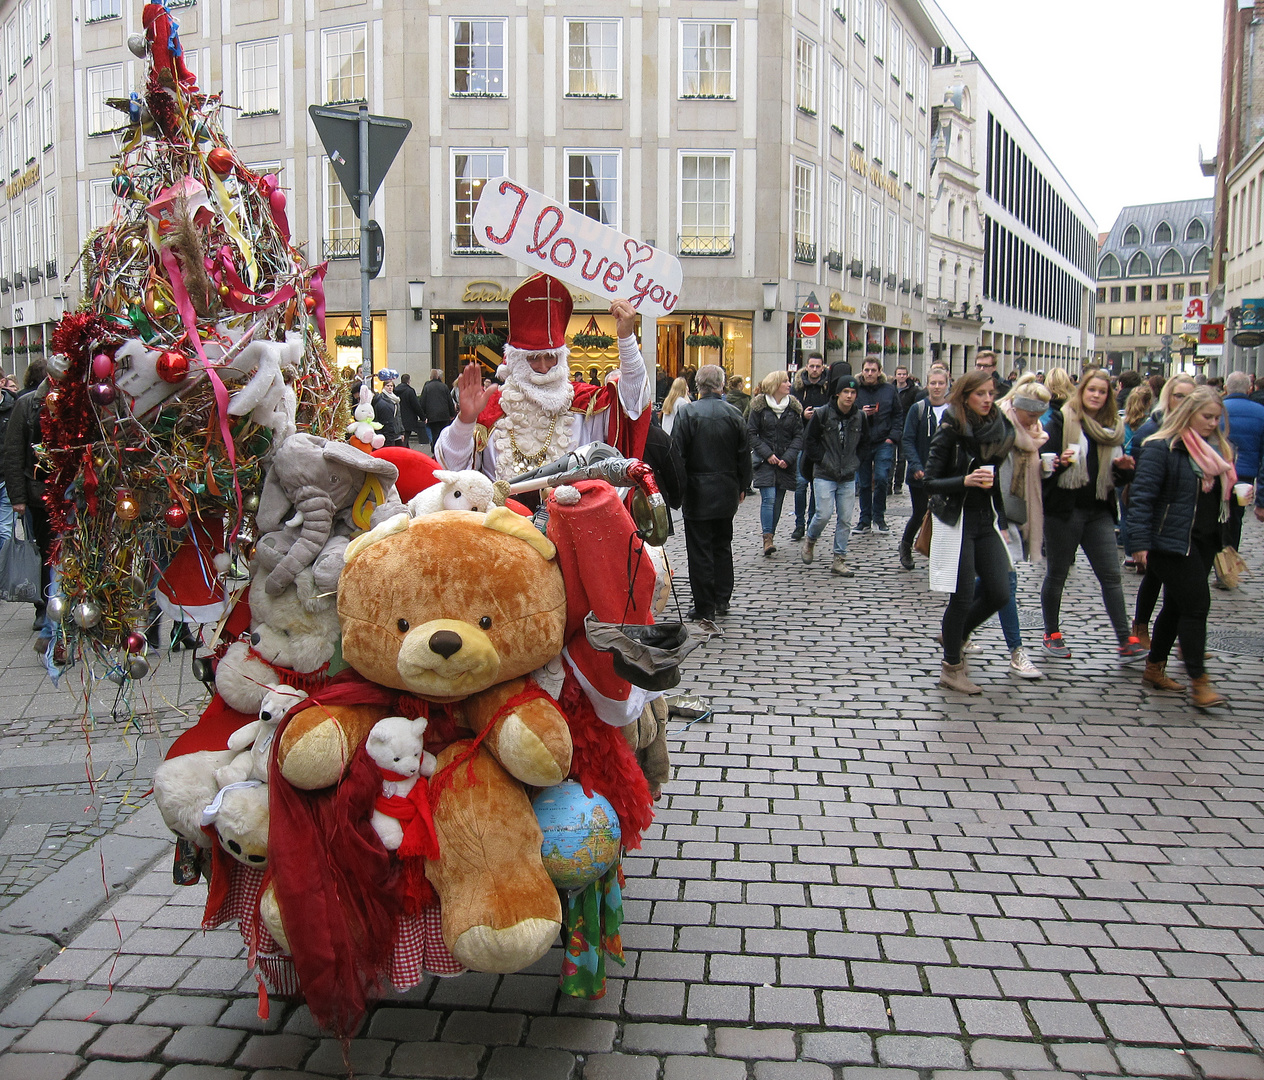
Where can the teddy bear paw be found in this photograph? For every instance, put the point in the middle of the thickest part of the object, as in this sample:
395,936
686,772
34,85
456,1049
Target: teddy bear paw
484,948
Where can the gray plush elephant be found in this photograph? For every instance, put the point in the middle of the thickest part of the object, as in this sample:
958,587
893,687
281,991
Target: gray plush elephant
304,515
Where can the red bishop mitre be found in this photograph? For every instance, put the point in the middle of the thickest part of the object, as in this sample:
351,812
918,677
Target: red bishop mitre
539,312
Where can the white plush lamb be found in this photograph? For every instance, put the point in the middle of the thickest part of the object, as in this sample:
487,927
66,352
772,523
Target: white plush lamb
395,746
253,741
464,490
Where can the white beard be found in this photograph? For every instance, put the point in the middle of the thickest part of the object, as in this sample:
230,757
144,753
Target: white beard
531,402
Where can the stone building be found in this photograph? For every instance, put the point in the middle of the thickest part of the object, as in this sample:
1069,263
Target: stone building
781,150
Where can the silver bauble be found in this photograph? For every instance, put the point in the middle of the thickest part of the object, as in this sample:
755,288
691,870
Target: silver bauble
137,667
136,43
56,609
87,613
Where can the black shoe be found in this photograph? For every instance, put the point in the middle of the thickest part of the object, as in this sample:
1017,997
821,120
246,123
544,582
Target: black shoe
182,638
906,557
798,533
694,616
721,610
151,636
38,624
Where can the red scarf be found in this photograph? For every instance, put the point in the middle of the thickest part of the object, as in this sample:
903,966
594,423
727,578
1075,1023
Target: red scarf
421,840
1210,462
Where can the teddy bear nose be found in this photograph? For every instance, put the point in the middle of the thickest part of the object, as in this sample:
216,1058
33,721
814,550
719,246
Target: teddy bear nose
445,643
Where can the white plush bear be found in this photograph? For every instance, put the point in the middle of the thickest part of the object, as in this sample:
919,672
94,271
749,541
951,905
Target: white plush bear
239,813
464,490
396,748
253,741
182,788
267,398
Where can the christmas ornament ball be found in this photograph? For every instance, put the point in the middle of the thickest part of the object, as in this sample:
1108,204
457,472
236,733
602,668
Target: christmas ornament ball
137,667
87,613
135,642
102,366
127,506
102,393
56,608
220,160
172,366
176,517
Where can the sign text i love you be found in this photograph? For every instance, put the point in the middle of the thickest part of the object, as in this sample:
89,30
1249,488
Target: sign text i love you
516,221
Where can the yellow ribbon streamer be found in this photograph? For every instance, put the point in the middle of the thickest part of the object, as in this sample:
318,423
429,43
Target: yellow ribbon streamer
230,223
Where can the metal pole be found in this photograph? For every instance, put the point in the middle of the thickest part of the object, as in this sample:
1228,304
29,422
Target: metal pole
366,325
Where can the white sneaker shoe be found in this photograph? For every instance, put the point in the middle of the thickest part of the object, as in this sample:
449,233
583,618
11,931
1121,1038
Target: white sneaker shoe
969,646
1020,664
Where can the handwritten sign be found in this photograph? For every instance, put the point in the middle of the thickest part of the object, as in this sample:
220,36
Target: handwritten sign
513,220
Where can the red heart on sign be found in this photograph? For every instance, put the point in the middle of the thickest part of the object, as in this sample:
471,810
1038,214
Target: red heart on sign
634,252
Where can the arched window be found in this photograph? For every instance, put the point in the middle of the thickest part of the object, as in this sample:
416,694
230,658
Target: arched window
1195,230
1108,267
1132,236
1139,265
1201,262
1171,263
1163,233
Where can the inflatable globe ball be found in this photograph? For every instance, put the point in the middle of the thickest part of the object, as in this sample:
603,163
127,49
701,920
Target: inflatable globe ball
581,834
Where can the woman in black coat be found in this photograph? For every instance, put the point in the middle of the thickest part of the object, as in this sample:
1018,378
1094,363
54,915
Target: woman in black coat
775,426
968,448
1177,512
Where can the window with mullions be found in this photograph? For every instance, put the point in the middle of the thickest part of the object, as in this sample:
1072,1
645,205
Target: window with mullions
346,61
592,185
838,107
1171,263
19,240
1195,230
259,77
48,116
877,116
593,58
876,30
1163,233
857,222
858,18
895,43
1108,267
875,236
706,59
1201,262
50,231
342,227
471,169
706,204
804,212
893,241
857,115
805,74
478,58
834,224
103,83
34,237
104,9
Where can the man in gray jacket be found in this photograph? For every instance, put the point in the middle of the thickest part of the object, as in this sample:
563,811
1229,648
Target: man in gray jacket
711,437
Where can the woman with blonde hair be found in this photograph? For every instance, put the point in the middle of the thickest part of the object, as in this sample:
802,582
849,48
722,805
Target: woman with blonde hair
1061,386
677,396
1180,507
1136,413
1079,498
775,427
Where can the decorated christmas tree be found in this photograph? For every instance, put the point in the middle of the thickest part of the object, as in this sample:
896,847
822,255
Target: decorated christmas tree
197,348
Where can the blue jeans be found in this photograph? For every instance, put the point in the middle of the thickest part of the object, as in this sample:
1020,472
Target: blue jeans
6,516
872,477
770,500
832,496
804,496
1009,613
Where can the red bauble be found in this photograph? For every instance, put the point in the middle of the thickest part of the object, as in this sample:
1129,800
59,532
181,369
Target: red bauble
172,366
102,366
277,201
176,517
309,302
135,642
102,393
51,399
220,160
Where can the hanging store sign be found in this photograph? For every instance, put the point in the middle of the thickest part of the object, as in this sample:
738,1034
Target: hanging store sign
1211,334
1195,313
514,220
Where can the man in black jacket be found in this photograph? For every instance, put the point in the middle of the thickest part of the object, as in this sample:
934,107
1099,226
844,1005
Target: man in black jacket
836,437
711,437
435,405
880,402
919,427
812,388
24,480
408,413
909,391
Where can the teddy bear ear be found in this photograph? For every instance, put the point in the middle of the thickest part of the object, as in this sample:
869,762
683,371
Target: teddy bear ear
504,520
392,525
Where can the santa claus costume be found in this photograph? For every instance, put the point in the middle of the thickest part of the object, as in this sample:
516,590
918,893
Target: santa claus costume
536,418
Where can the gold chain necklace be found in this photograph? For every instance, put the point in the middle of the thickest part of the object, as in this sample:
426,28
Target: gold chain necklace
524,461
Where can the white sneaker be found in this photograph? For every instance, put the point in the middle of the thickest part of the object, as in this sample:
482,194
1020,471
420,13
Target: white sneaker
1020,664
969,646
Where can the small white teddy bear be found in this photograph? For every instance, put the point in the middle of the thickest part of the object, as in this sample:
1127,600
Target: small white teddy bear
395,746
464,490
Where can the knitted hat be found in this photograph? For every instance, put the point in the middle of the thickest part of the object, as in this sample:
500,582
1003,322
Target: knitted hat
539,312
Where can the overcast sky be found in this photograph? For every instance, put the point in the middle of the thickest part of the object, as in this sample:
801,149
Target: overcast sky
1119,92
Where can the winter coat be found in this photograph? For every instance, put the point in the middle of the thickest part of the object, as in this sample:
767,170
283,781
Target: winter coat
408,413
811,395
919,429
739,399
661,455
24,482
1163,500
711,437
1060,502
953,454
772,435
434,403
835,441
1244,425
386,413
889,421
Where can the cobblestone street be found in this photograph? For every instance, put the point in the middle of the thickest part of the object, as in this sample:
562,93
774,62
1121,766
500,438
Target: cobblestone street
852,874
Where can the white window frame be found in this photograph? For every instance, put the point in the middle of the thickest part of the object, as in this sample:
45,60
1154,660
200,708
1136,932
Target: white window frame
11,47
919,257
910,64
920,181
696,236
923,74
895,42
858,18
838,96
803,201
877,43
15,146
259,77
486,73
834,221
101,200
857,224
571,154
877,117
906,160
594,82
339,224
4,172
51,252
18,221
48,117
100,10
102,82
893,243
46,20
337,49
893,145
804,74
6,267
875,235
685,90
34,236
30,118
858,119
906,250
28,31
455,204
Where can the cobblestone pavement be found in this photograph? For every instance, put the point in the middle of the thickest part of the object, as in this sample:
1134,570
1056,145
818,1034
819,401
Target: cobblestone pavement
852,875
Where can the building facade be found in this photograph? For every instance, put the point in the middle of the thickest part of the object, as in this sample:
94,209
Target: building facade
1244,265
1012,248
781,150
1153,259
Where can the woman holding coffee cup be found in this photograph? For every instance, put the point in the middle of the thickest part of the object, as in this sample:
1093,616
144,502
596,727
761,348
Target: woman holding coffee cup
972,439
1079,498
1178,513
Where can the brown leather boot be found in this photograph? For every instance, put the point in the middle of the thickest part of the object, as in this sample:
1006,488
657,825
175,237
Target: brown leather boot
1202,695
769,547
953,677
1155,675
1142,633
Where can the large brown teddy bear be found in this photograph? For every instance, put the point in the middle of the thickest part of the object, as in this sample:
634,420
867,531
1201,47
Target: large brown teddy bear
456,609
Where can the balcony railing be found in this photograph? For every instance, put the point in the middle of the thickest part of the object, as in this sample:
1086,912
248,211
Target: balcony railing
804,252
342,249
834,260
705,245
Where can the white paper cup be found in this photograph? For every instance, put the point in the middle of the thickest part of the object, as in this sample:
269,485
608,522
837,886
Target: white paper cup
1075,453
1047,463
991,471
1243,493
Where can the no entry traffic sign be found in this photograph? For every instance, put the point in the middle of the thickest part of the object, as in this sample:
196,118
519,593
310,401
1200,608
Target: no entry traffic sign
809,324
